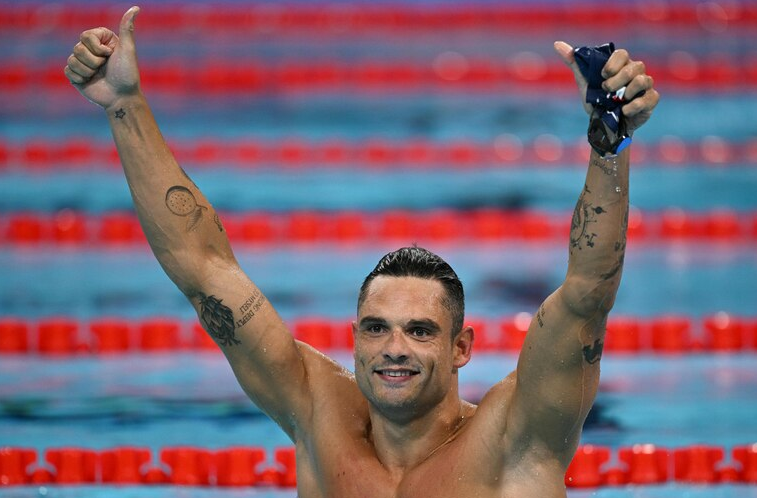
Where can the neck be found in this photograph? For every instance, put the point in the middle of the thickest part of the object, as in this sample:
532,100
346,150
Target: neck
403,443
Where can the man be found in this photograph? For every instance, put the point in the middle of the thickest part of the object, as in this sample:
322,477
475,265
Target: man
397,427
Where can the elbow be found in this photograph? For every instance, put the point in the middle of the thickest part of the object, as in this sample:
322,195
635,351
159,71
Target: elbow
589,297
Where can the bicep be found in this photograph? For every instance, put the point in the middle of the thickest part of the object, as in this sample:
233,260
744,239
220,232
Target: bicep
557,377
260,349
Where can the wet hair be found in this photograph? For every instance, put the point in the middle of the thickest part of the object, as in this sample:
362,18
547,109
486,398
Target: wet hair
421,263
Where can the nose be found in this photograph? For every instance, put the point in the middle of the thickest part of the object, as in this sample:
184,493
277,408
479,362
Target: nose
395,347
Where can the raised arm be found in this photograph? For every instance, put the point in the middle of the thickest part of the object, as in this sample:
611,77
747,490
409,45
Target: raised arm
186,234
558,368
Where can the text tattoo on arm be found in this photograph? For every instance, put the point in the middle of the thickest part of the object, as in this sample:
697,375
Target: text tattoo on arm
218,318
620,248
584,216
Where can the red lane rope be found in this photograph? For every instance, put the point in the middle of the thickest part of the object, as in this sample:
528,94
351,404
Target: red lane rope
118,229
344,19
299,153
665,334
525,71
592,466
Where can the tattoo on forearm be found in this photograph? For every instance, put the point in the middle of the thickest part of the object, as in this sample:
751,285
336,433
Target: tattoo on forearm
609,169
218,320
614,270
250,307
584,215
119,114
217,221
540,315
621,244
593,354
181,202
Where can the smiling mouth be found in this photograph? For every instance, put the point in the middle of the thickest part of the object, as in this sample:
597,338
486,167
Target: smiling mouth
397,373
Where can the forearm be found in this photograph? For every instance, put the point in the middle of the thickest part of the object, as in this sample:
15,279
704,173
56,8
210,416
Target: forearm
598,234
181,226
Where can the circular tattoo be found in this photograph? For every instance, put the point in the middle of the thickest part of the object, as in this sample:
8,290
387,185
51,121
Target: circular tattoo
181,202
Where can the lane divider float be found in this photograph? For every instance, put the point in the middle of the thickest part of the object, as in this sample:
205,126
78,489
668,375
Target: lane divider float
294,153
668,334
77,229
592,466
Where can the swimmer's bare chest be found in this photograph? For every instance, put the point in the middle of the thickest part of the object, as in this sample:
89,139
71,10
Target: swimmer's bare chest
460,469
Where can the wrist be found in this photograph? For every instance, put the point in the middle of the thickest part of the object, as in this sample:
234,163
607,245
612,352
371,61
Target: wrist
124,102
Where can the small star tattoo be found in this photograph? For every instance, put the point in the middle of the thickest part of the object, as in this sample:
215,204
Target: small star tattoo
120,113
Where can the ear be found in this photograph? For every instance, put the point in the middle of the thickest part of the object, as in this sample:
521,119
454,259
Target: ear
463,347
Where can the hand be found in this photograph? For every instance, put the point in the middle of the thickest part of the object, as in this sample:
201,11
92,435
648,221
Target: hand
103,66
619,71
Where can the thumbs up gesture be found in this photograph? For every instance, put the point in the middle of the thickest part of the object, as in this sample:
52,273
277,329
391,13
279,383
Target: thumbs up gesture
103,65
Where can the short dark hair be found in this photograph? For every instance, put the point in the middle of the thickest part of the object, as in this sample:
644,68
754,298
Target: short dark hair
421,263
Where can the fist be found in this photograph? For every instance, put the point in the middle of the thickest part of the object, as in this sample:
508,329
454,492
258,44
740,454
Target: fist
619,71
103,65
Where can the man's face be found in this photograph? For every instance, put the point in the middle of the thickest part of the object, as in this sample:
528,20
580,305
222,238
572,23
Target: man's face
405,358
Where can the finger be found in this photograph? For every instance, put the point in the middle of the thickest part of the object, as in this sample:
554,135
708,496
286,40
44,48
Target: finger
638,84
643,104
86,57
618,59
99,41
74,78
126,30
76,66
567,55
624,76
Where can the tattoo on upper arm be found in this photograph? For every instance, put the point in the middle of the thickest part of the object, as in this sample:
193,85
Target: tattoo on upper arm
250,307
592,354
119,114
584,215
181,202
540,315
218,320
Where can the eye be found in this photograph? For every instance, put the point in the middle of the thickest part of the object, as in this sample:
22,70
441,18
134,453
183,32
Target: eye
375,329
419,332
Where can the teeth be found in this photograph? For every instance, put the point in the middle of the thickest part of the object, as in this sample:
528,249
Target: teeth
395,373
